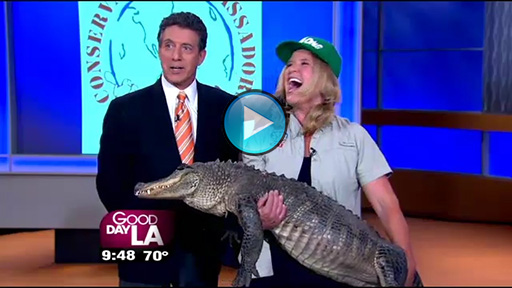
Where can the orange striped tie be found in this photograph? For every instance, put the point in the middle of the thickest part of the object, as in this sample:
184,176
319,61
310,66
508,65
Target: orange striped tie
184,130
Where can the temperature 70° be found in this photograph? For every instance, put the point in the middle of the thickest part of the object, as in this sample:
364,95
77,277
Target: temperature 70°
155,255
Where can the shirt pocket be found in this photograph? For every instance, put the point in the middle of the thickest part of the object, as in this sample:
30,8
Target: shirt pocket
342,159
335,171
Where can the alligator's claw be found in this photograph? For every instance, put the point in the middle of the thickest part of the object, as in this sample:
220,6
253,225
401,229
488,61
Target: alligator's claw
232,237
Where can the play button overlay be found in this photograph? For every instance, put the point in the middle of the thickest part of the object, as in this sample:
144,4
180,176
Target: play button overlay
255,122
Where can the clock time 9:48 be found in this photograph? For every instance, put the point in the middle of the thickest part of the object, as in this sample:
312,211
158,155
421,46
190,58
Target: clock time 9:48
118,255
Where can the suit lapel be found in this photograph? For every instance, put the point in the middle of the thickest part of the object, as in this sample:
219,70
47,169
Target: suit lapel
204,114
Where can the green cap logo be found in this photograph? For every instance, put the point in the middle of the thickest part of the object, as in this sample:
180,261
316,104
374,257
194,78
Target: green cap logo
312,42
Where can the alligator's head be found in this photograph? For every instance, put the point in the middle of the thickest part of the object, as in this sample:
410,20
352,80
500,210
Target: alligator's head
183,184
177,186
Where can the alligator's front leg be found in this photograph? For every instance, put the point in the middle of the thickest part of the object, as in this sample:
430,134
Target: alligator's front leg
252,240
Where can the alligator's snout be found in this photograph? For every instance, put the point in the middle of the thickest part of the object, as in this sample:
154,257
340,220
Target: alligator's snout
138,188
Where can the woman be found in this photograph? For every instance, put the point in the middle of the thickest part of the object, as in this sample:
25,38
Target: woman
326,151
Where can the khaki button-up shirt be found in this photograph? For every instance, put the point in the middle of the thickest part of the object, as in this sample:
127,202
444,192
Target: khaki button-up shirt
344,158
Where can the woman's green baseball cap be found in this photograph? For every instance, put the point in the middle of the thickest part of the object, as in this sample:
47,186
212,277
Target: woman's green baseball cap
318,46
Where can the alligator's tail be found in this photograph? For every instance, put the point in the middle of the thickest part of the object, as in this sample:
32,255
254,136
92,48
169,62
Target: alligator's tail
389,264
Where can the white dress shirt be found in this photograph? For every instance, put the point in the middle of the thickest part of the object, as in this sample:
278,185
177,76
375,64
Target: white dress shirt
171,96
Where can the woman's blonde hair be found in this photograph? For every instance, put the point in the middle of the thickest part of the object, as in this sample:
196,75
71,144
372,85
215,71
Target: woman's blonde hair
326,84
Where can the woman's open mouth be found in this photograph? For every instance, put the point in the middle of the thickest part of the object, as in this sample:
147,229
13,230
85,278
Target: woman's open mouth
294,84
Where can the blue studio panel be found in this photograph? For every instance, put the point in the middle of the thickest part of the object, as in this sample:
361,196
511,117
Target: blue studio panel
500,154
370,80
370,86
47,75
276,28
372,130
54,164
371,11
4,163
349,35
4,95
433,25
433,149
432,80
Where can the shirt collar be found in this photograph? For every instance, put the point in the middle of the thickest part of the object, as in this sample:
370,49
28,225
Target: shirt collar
172,91
296,128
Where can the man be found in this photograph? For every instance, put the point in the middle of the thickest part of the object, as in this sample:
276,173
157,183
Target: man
143,135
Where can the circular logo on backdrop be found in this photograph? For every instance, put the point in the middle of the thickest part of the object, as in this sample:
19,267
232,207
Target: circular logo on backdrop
255,122
119,50
120,47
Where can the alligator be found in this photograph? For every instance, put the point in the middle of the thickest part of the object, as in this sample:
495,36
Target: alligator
317,231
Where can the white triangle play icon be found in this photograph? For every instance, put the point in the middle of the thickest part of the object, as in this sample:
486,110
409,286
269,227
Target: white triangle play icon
254,122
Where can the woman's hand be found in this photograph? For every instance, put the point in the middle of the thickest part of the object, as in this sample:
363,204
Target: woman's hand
272,210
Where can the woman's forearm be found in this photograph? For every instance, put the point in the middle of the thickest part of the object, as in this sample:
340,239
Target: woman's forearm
395,226
385,204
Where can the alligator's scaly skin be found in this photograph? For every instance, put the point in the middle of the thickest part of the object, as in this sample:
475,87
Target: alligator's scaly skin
317,231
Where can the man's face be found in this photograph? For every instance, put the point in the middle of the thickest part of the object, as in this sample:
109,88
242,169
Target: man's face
180,56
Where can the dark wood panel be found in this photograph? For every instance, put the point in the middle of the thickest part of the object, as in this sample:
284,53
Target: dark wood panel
474,121
452,197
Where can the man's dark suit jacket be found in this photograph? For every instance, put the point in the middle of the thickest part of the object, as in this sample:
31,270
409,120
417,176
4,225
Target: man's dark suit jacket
138,145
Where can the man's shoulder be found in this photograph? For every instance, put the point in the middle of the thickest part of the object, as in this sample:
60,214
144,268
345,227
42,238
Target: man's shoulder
134,98
216,92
